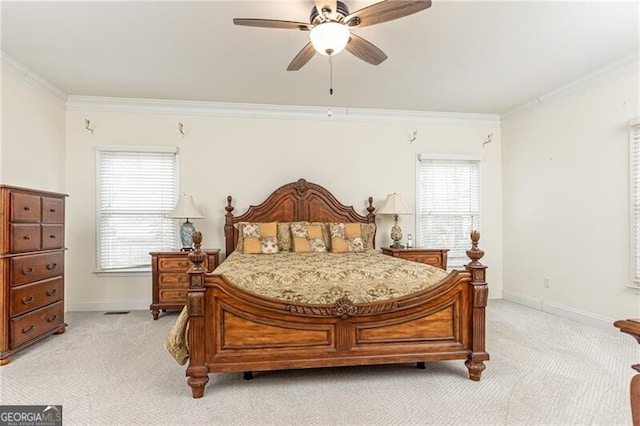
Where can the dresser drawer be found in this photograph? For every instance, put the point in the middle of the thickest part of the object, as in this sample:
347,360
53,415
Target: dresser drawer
170,295
180,264
173,279
36,267
52,236
28,297
29,326
24,237
52,210
25,207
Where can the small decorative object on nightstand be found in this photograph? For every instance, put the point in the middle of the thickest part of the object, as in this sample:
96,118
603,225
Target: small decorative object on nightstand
395,205
186,209
433,257
170,279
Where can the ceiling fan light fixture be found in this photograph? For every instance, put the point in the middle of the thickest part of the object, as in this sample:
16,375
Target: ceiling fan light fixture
329,38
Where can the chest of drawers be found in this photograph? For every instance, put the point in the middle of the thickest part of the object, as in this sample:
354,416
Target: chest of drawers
31,267
170,279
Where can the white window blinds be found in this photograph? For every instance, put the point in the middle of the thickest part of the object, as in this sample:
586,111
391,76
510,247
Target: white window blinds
448,205
635,201
137,188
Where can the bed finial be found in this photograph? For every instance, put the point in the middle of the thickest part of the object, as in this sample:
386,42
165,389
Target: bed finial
475,254
370,209
197,257
229,207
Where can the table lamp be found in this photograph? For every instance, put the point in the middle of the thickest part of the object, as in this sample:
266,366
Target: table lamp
395,205
186,209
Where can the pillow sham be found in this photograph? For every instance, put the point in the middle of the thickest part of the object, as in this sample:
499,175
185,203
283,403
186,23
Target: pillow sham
260,238
307,237
346,238
368,235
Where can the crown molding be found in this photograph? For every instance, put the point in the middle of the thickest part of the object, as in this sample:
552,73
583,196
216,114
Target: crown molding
241,110
32,78
616,70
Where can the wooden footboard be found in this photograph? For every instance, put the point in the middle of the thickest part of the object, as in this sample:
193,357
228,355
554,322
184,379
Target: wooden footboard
231,330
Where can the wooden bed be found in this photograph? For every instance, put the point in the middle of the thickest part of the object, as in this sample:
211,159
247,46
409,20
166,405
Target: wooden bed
231,330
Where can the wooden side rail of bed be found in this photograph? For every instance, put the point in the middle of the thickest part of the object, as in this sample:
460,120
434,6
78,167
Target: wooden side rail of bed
233,330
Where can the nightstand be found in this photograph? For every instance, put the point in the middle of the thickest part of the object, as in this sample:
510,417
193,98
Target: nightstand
170,279
433,257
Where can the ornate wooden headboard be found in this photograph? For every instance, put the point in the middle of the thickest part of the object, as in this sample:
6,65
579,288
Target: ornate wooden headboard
294,202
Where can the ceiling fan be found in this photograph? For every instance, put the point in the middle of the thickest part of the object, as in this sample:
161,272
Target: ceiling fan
330,27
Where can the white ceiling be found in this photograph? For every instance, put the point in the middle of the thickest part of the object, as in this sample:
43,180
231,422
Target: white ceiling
457,56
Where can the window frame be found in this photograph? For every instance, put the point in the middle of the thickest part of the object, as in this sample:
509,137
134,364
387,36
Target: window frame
98,223
634,204
446,157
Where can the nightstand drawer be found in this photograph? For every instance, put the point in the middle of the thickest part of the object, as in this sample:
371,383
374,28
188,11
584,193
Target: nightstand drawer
168,279
429,259
180,264
169,295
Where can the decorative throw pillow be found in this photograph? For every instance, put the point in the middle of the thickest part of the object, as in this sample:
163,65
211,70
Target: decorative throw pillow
346,237
368,235
307,237
260,238
284,236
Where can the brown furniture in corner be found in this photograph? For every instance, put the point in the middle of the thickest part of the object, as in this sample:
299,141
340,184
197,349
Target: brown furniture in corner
32,267
170,280
433,257
632,327
234,330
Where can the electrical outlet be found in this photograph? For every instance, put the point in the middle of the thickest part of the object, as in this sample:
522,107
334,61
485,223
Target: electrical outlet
547,282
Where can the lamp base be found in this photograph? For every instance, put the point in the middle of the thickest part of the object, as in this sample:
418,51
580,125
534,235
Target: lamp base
396,235
396,245
186,231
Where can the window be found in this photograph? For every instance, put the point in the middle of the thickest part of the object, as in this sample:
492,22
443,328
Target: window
448,204
137,189
634,141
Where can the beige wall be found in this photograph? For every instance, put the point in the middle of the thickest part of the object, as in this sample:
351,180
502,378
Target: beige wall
566,204
248,158
32,152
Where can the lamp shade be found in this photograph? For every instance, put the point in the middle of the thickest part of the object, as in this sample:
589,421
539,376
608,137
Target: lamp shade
186,209
329,38
394,204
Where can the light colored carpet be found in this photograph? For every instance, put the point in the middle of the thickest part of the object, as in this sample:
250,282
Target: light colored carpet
113,369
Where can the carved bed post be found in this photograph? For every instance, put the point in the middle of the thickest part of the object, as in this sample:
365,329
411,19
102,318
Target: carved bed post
228,228
480,293
371,218
197,370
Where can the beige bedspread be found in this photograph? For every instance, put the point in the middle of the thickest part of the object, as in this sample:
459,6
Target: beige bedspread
316,278
323,278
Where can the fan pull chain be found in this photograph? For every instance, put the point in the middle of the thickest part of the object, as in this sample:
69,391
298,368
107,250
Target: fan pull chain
329,112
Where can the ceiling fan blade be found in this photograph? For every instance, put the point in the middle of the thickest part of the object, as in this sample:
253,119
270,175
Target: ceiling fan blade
302,57
365,50
331,5
273,23
385,11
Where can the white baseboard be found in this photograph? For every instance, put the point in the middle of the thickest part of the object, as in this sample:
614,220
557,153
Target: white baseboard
113,305
560,310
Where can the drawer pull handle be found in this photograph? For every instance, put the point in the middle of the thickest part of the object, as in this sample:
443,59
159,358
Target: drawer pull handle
52,210
27,237
27,208
52,236
28,271
28,329
51,266
51,292
184,264
52,318
28,300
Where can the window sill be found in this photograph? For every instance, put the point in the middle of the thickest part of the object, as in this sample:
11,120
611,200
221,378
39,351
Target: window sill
124,273
634,289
